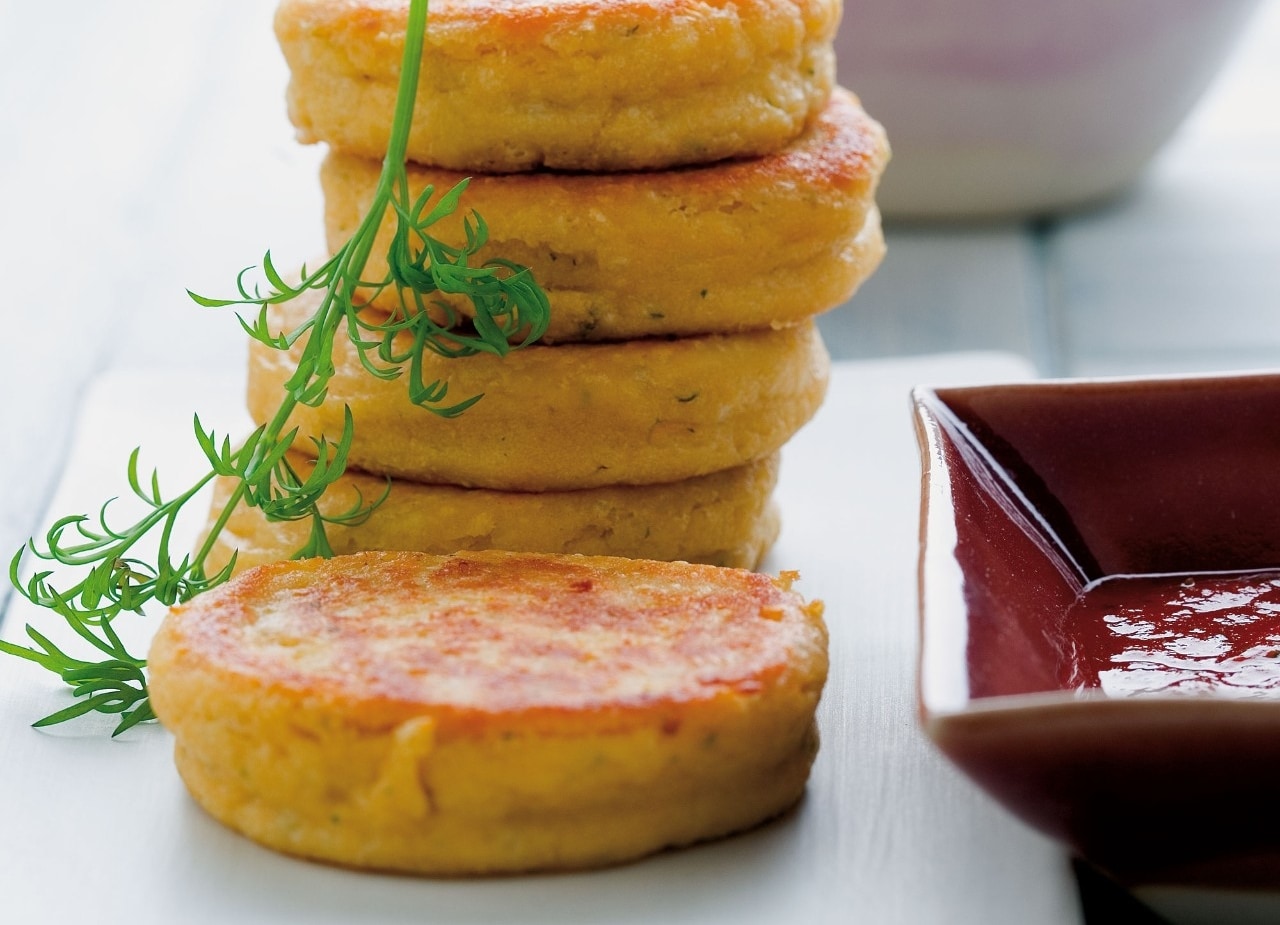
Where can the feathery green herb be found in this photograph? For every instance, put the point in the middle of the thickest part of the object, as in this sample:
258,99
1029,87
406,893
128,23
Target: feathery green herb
110,577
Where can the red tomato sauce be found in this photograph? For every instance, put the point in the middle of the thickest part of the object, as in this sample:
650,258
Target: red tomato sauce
1177,634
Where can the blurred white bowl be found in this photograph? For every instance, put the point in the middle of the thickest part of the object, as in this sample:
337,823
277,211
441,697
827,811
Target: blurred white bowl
1011,108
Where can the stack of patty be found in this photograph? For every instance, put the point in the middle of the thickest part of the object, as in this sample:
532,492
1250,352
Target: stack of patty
688,187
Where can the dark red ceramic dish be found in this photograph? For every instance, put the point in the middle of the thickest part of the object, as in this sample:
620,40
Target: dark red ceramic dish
1031,494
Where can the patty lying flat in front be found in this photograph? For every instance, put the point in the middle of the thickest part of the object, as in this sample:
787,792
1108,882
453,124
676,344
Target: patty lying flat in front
491,712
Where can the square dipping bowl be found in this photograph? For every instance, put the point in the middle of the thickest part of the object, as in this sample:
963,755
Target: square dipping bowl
1136,719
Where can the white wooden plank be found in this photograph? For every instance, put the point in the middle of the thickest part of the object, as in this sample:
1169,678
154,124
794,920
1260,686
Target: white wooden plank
92,95
944,289
236,184
1182,275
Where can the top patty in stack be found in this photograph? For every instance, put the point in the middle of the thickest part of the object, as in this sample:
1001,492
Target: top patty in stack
577,85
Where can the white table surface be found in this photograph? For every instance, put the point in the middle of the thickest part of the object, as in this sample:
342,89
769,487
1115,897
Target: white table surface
144,149
888,832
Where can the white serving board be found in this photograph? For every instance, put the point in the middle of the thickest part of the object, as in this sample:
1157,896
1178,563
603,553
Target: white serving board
103,830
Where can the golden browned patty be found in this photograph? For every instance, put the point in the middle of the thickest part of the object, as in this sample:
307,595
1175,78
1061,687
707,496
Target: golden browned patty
510,85
490,712
725,518
566,417
732,246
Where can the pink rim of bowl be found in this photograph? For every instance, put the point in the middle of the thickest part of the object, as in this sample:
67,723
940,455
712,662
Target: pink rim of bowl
1011,109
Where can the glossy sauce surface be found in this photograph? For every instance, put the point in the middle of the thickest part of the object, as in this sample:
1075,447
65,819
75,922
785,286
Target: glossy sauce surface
1057,487
1177,634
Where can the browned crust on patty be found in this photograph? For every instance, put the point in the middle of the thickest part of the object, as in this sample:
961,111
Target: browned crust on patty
580,85
490,712
480,638
727,247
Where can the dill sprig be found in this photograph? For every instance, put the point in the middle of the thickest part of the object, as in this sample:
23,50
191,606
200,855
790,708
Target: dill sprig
108,574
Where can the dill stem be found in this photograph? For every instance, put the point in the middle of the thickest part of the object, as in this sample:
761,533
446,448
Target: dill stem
112,584
351,260
216,528
398,143
142,527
